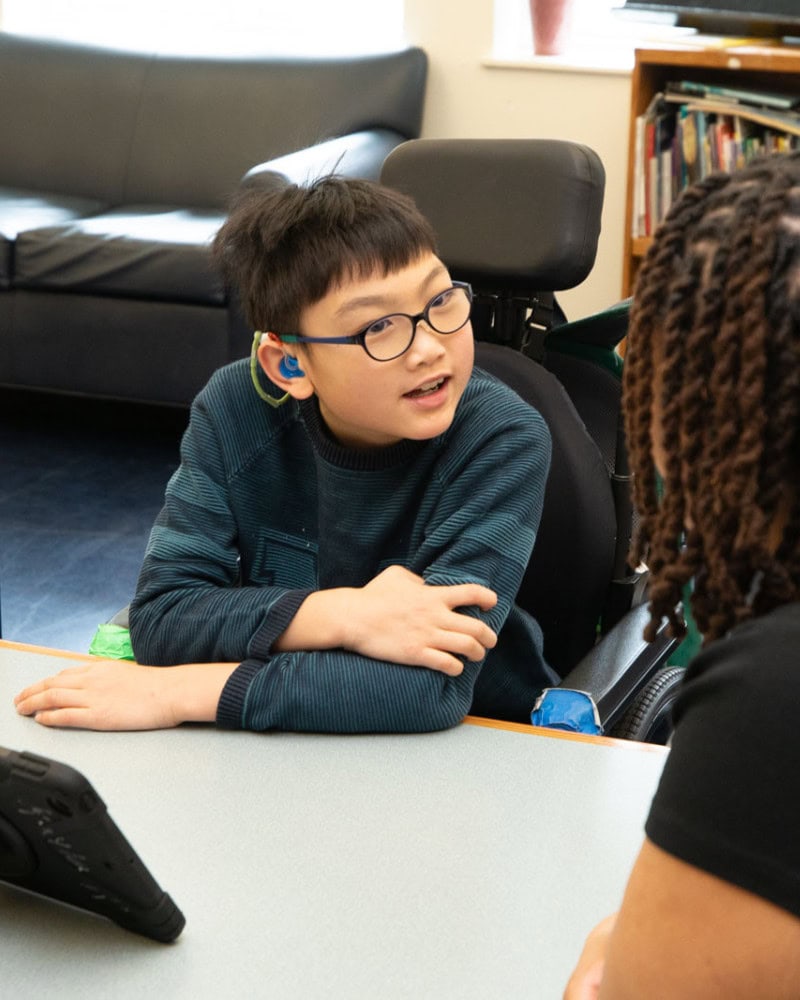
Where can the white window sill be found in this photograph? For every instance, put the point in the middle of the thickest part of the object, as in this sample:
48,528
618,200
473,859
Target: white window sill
605,52
610,63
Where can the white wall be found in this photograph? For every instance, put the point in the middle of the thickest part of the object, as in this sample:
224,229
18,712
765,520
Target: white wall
466,99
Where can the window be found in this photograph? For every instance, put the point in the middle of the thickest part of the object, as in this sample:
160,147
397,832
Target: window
307,27
598,36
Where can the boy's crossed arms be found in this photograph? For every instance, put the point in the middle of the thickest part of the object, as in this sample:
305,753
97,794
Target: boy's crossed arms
396,617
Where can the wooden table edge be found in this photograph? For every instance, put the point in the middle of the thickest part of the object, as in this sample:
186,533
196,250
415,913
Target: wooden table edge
558,734
472,720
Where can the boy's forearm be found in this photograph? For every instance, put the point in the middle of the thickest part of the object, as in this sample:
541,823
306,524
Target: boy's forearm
337,691
319,623
175,621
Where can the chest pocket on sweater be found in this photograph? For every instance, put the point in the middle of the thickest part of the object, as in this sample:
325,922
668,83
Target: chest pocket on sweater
285,561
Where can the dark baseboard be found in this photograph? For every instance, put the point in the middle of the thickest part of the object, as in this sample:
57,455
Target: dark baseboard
31,407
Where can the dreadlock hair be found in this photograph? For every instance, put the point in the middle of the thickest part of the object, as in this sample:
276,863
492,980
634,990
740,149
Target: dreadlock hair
715,333
284,248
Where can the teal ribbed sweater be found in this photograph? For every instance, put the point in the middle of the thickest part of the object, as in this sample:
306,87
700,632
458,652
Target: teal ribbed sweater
266,507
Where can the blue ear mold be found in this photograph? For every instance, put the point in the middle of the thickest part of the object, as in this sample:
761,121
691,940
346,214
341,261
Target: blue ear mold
289,367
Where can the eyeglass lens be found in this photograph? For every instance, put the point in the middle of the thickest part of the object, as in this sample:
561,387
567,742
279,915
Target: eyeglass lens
391,336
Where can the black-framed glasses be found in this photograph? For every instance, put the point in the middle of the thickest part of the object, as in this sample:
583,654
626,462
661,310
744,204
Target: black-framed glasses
390,336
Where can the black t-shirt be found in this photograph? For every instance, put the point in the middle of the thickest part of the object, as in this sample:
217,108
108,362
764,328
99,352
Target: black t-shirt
729,797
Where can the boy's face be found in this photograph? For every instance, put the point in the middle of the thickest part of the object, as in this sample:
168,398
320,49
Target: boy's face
367,403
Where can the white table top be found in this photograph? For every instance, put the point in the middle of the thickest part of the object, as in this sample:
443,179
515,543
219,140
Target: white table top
469,863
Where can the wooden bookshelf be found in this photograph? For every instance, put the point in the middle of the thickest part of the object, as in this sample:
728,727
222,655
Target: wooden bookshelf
766,68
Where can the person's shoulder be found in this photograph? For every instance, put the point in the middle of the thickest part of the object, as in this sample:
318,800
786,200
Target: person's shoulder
230,410
230,395
722,803
484,384
783,620
750,673
493,428
766,649
490,404
765,643
231,382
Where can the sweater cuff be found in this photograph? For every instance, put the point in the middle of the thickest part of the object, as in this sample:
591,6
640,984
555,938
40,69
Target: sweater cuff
231,701
230,709
276,621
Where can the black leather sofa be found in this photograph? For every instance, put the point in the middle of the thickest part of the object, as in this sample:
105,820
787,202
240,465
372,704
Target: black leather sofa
115,173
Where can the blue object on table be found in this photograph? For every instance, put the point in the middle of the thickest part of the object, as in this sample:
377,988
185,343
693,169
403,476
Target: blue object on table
563,708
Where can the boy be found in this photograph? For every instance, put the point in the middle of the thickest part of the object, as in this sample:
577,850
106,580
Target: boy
340,548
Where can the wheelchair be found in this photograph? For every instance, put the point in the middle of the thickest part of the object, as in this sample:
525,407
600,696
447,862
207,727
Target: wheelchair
520,219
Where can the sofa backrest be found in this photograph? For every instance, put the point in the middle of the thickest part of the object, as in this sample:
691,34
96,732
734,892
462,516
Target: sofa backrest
67,115
133,128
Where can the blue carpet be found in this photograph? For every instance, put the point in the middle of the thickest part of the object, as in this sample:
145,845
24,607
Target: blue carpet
81,483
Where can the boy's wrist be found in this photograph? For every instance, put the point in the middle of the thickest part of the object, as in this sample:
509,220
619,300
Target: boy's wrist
193,690
340,613
323,621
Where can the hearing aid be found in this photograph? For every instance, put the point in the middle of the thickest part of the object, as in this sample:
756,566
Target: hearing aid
289,367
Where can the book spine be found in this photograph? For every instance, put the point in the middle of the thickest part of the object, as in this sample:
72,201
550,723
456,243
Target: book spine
638,225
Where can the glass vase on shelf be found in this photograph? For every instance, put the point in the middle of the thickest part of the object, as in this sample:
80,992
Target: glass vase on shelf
551,21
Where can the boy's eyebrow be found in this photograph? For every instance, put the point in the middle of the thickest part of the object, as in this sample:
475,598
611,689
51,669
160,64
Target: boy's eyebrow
374,300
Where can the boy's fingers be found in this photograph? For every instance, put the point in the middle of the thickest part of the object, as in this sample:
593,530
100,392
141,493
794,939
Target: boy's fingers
64,718
464,595
445,663
487,637
465,645
475,629
50,698
71,677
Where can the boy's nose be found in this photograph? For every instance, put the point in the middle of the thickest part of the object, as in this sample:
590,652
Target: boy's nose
427,344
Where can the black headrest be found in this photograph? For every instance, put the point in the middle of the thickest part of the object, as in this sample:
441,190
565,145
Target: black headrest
516,213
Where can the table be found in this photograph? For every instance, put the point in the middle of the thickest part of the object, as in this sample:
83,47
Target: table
463,864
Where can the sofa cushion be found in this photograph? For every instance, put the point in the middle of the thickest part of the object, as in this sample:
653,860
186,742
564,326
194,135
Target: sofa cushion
139,252
21,209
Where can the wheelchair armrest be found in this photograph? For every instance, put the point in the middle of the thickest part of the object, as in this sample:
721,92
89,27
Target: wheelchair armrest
603,329
621,664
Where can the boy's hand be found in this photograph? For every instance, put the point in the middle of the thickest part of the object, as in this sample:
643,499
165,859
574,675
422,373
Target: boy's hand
115,695
400,618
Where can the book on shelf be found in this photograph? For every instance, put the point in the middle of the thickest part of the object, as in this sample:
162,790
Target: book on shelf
733,95
681,138
785,121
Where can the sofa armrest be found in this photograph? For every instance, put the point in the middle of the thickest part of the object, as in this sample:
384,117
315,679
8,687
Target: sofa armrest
360,154
621,664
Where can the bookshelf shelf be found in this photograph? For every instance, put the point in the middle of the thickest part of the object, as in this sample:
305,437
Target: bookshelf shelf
769,68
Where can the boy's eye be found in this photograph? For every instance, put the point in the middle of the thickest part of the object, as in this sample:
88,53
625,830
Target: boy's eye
441,300
383,325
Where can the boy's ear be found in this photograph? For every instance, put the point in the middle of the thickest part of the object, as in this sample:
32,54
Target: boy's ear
271,352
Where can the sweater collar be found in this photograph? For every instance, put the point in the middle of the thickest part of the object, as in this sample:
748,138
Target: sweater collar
357,459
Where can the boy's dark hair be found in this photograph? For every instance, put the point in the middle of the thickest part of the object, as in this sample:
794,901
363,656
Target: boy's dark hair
717,307
283,250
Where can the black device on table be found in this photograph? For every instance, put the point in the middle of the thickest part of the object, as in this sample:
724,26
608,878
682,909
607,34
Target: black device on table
57,839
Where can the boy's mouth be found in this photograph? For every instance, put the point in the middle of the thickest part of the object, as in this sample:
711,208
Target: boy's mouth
428,388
